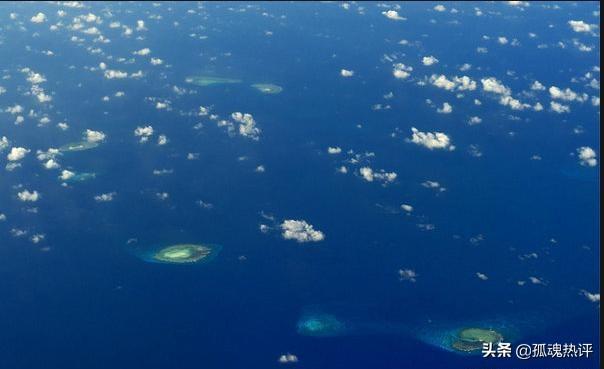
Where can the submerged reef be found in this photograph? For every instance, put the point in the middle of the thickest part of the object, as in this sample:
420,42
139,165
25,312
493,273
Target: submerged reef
78,146
320,325
202,80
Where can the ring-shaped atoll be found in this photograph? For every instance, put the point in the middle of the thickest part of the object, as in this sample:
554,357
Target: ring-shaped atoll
184,253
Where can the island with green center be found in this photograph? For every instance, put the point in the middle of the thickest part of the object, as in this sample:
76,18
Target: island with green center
183,253
471,339
268,88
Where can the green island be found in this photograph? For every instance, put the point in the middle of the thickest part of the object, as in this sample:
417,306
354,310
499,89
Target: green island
471,339
183,253
203,81
268,88
78,146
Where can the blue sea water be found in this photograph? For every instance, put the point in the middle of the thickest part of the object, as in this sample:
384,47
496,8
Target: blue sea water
80,298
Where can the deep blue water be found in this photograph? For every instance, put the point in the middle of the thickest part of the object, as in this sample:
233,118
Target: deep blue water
81,298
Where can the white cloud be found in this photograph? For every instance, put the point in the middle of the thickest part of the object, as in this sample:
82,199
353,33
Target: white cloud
105,197
300,231
431,140
406,207
440,8
346,73
474,120
3,143
144,133
401,71
162,140
559,108
143,52
38,18
334,150
593,297
247,125
370,175
51,164
288,358
566,94
35,78
502,40
25,195
94,136
581,26
460,83
115,74
429,60
491,84
15,109
140,25
446,109
393,14
156,61
515,104
521,4
537,86
587,156
66,175
17,153
482,276
407,275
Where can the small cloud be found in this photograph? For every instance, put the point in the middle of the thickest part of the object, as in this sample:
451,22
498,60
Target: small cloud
587,156
115,74
346,73
406,207
401,71
581,26
474,121
482,276
28,196
407,275
429,60
393,14
247,125
288,358
446,109
300,231
593,297
66,175
144,133
559,108
431,140
334,150
17,153
94,136
370,175
105,197
142,52
38,18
